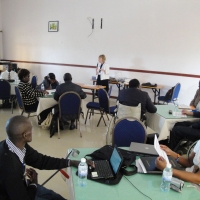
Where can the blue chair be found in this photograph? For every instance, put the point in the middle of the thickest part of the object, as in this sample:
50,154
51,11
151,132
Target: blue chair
69,107
105,105
34,82
21,103
174,95
5,92
128,130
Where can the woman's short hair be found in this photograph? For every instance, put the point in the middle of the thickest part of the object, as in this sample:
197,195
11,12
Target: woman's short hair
103,57
52,76
23,73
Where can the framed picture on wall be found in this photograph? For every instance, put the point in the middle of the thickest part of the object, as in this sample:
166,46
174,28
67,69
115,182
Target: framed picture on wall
53,26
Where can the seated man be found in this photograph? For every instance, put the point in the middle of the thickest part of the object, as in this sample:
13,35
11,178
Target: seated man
15,154
192,164
9,73
66,87
133,96
49,82
185,130
196,98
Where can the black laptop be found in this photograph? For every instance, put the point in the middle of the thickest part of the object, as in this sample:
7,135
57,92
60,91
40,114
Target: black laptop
105,169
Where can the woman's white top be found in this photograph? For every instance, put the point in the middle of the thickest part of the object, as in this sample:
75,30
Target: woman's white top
196,159
104,75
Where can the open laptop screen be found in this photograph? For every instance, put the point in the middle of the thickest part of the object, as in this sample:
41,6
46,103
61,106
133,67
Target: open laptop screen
115,160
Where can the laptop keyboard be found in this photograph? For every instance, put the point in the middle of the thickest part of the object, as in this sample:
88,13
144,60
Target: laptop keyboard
102,167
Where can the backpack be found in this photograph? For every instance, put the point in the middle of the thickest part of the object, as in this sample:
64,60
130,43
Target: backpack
105,153
169,93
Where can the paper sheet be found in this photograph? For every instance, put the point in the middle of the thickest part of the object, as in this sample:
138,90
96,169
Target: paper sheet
159,150
179,114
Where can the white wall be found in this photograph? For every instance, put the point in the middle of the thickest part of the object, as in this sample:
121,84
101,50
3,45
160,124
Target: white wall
1,47
160,35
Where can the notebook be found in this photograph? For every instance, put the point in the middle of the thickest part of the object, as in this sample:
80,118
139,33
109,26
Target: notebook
107,169
147,165
143,149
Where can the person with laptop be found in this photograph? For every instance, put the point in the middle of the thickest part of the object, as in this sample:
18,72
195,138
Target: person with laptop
192,164
9,74
17,181
134,95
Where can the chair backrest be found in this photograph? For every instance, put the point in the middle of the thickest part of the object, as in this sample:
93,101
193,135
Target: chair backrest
19,98
128,130
128,111
70,105
94,78
104,100
34,81
5,89
176,92
110,91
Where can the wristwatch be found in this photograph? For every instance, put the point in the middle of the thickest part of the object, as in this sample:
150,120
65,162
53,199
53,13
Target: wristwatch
178,156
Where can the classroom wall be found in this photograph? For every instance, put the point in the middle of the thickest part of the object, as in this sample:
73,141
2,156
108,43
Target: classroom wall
161,35
1,47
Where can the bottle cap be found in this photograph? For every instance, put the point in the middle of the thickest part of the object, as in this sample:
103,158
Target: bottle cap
168,165
83,160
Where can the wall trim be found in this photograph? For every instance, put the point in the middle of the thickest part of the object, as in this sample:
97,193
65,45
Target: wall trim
111,68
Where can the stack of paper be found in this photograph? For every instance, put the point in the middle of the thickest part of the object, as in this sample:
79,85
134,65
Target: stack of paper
182,106
179,114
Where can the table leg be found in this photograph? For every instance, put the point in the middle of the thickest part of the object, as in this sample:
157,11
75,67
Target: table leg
156,94
92,95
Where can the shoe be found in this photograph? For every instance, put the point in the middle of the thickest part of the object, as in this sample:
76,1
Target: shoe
72,127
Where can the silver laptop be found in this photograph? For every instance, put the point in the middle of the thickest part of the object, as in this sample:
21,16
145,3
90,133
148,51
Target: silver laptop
143,149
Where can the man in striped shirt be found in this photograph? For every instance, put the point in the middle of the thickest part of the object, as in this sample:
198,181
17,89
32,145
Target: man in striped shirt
15,153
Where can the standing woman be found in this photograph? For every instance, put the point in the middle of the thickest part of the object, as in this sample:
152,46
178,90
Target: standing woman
102,72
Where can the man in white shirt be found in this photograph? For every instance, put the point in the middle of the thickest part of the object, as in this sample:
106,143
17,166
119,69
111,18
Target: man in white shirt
9,73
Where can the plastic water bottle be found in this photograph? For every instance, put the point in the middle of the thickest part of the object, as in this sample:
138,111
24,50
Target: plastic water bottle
42,87
82,173
166,178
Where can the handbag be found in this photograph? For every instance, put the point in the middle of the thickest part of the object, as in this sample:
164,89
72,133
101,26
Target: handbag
47,122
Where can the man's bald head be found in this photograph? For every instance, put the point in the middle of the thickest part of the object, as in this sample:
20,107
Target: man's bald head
16,127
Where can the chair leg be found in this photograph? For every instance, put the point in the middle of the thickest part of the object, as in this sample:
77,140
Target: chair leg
22,112
12,107
76,123
101,112
104,120
107,116
80,128
91,112
29,115
58,128
87,116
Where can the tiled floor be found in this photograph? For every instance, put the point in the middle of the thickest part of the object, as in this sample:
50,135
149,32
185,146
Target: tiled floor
92,137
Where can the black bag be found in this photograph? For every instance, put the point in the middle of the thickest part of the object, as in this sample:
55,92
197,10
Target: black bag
105,153
169,93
